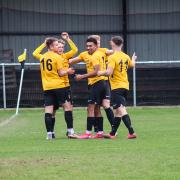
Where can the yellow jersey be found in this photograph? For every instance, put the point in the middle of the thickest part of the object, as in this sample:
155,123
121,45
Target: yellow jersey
91,61
104,50
120,62
65,62
65,57
50,63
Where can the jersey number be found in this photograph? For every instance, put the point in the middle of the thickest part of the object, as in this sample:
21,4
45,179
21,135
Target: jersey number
48,64
121,65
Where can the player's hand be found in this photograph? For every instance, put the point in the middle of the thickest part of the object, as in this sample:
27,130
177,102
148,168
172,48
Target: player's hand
78,77
70,71
70,61
100,73
65,35
134,57
46,40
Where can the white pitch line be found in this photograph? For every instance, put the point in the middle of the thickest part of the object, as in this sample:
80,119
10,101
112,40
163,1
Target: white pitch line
7,121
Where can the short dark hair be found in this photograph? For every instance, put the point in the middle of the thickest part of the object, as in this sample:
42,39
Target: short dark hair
93,40
50,40
117,40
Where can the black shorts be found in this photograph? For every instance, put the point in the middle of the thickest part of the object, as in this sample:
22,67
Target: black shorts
119,97
98,92
56,97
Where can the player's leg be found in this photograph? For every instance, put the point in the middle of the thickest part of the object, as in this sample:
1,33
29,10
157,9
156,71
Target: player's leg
124,114
106,103
97,91
68,116
119,105
90,118
98,117
117,121
68,112
49,99
108,110
127,121
117,114
90,113
53,123
56,107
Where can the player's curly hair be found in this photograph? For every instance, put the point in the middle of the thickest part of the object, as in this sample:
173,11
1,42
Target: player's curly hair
93,40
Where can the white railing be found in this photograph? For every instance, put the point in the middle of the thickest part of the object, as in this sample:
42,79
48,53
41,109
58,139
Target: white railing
37,64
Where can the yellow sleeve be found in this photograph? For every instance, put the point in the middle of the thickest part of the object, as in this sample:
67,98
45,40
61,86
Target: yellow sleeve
111,62
37,53
81,56
73,50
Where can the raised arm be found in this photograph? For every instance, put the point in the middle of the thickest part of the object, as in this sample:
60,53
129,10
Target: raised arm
37,53
73,47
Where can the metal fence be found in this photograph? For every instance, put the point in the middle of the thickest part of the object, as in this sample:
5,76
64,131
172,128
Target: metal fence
144,83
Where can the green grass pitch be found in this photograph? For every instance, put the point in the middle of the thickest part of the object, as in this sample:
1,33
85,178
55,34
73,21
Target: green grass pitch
155,154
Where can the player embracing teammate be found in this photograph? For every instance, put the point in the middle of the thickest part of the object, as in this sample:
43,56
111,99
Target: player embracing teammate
54,74
118,64
101,65
97,88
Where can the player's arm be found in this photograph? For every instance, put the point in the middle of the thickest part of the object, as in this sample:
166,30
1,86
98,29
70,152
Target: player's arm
79,77
109,52
73,47
63,72
37,53
109,70
96,66
75,60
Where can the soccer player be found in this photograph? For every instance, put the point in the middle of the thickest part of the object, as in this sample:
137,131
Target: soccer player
118,64
106,52
52,72
96,85
65,56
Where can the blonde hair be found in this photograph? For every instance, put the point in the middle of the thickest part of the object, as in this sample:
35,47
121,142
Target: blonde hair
97,37
61,41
